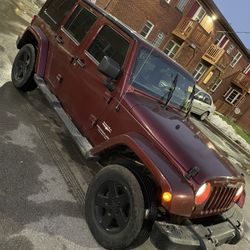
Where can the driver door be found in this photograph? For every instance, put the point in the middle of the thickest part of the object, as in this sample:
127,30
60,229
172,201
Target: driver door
85,93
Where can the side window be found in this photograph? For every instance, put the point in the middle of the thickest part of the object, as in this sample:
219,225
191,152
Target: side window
109,43
54,11
199,96
207,99
79,23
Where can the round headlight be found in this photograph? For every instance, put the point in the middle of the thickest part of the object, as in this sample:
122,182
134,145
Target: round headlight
203,193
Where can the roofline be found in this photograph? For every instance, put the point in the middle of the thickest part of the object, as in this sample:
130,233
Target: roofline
228,28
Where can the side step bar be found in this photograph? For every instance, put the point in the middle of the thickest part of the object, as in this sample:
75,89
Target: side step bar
81,141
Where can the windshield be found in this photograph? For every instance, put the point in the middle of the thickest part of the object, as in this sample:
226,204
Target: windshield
155,75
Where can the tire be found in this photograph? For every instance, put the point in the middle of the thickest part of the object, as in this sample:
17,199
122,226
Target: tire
114,208
23,68
204,116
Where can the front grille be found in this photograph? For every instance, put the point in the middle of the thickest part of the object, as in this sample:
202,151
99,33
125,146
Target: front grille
220,200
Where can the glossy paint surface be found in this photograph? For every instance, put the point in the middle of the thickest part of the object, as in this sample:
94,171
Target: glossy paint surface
164,140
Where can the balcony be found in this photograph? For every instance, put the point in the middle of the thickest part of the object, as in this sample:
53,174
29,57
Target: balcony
224,62
193,32
213,54
242,81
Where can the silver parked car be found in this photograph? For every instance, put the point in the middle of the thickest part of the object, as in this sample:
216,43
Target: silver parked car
203,104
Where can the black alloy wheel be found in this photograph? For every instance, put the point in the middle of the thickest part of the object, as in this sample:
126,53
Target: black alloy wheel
114,208
23,68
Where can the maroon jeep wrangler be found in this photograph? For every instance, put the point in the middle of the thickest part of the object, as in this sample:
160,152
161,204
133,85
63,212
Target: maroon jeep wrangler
126,104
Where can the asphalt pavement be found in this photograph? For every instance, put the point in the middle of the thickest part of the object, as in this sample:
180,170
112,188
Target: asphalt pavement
41,203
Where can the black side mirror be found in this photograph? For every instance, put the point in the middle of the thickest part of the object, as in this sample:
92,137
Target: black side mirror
109,67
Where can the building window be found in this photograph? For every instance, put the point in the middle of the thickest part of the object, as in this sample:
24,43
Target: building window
181,4
172,48
233,96
236,58
216,85
247,69
230,49
221,40
199,15
199,71
148,27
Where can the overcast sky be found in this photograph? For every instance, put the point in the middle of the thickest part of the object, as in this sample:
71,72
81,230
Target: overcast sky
237,12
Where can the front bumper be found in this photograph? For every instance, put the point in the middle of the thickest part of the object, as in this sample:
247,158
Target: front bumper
196,236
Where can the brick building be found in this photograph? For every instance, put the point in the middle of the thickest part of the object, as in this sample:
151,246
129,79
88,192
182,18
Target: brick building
196,35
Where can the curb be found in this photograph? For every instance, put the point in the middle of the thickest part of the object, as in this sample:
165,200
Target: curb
229,140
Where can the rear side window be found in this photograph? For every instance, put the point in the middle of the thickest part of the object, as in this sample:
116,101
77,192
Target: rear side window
79,23
207,99
203,98
54,11
109,43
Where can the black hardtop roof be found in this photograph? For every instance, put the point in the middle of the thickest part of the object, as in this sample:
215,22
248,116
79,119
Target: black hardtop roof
133,34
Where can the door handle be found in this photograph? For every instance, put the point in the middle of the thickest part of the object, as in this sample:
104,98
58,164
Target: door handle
59,39
80,62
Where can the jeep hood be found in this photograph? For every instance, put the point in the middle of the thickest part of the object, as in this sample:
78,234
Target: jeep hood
181,140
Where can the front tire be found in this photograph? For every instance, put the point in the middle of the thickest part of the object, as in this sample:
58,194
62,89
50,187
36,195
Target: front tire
204,116
23,68
114,207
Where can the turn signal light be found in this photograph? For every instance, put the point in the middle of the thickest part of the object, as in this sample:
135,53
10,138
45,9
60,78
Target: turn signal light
166,196
203,193
238,194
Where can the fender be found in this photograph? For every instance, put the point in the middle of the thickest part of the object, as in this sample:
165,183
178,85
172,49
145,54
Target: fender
43,45
165,175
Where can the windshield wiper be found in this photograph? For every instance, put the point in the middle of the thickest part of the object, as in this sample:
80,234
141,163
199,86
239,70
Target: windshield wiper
171,92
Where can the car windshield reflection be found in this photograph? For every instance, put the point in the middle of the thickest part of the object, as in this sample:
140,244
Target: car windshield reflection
155,75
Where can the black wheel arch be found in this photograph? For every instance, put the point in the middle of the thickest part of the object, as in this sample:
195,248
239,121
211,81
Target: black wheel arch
125,157
28,37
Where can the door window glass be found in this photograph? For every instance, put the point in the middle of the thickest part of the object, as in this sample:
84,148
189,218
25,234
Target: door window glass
203,97
54,11
207,99
79,23
199,96
109,43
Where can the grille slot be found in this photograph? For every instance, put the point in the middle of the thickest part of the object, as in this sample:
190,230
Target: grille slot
220,200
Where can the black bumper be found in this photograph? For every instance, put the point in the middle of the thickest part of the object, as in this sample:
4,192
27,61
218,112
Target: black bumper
196,236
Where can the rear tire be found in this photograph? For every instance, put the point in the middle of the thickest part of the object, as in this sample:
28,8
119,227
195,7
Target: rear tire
23,68
114,208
